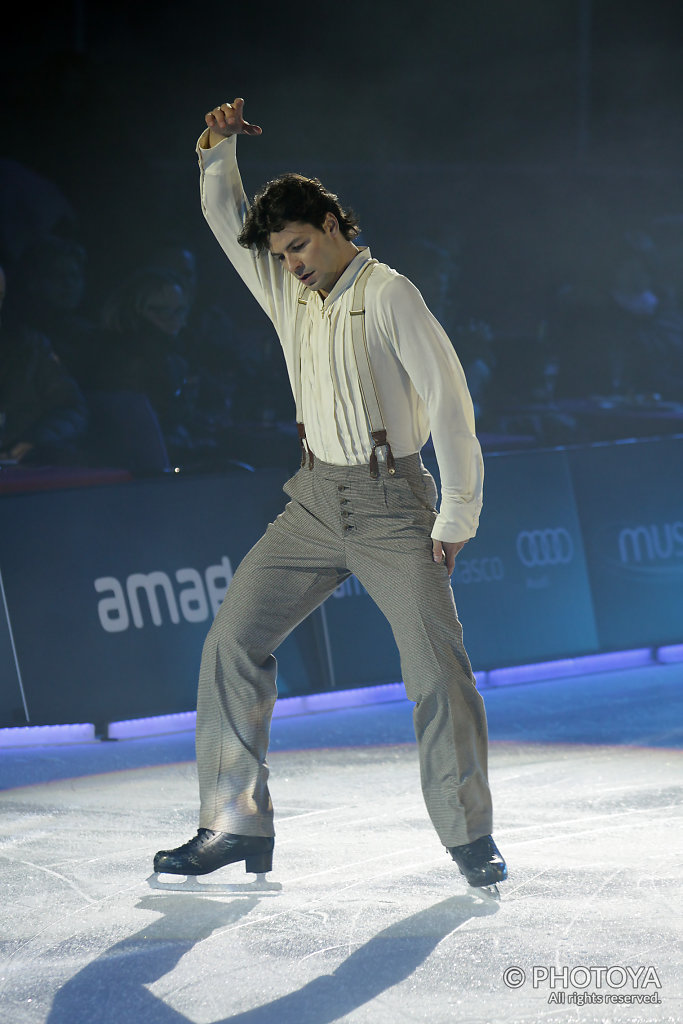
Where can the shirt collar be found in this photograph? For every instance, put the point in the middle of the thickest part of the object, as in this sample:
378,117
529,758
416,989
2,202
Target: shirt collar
349,275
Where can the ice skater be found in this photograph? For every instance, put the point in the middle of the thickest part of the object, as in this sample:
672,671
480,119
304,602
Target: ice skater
373,373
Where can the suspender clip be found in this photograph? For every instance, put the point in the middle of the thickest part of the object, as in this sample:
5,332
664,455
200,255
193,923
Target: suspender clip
305,449
380,439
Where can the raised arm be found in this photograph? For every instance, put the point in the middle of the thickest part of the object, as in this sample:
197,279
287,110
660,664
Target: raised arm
224,204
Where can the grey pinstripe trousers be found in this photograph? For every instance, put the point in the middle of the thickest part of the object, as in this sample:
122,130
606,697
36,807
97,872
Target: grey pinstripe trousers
340,521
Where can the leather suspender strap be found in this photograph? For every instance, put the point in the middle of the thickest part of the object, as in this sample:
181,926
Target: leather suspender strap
370,395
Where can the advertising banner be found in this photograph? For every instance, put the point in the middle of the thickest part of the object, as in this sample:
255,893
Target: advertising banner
521,584
113,589
630,502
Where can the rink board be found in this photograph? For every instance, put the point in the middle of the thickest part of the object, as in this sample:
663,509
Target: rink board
111,590
630,502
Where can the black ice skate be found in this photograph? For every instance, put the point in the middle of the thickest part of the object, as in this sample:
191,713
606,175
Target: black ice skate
481,863
208,851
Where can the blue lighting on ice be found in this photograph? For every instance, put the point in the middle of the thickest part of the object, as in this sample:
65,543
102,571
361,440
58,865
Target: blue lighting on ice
316,703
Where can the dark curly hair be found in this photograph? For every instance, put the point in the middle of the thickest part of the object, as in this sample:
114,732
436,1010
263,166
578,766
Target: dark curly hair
292,197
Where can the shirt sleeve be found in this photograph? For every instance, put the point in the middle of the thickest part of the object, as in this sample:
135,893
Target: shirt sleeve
225,205
428,357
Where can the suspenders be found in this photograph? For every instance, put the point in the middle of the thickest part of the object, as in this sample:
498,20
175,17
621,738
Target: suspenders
371,404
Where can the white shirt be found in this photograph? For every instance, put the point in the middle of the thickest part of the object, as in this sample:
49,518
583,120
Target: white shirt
419,378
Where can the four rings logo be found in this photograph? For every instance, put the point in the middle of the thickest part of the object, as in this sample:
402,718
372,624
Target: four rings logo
538,548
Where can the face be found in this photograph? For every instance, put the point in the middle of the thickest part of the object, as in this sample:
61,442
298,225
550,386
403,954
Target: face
318,257
167,308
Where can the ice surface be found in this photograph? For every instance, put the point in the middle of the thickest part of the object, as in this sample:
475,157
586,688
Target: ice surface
364,919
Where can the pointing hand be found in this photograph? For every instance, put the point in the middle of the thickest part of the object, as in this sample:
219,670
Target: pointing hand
226,120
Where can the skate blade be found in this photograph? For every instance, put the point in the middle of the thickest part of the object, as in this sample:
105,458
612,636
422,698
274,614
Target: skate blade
191,883
488,892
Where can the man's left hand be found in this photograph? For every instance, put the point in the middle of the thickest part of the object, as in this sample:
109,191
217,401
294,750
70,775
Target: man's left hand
442,549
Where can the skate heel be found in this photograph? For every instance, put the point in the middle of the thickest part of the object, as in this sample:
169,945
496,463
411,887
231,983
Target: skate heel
259,863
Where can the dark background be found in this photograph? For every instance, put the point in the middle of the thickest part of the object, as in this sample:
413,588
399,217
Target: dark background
497,153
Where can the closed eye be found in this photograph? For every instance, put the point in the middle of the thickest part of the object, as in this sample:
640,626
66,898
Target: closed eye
296,247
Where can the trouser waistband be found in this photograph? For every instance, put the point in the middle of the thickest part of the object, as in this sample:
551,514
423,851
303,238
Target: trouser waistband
405,466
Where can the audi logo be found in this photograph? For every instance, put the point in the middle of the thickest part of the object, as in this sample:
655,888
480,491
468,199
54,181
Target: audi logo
545,547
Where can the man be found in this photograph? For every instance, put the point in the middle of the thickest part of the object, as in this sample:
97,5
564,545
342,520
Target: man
372,373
